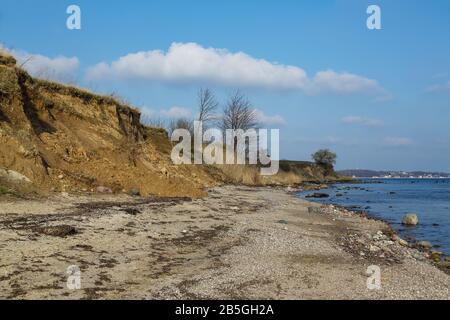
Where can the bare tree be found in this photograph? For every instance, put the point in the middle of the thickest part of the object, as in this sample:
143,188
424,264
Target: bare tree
181,123
238,113
207,104
155,122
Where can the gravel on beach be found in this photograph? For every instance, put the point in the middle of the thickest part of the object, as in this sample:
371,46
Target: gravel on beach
237,243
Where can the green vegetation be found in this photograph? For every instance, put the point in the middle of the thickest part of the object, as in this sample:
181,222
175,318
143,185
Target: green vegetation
3,190
325,159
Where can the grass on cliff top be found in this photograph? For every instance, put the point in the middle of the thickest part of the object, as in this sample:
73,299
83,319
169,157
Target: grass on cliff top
83,94
87,96
7,60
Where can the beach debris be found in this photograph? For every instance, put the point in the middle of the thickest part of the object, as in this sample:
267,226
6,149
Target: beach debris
131,211
57,231
410,219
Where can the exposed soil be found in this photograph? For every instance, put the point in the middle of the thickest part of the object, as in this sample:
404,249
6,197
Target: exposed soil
62,138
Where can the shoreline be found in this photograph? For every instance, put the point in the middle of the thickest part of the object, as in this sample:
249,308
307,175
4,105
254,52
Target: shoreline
237,243
413,242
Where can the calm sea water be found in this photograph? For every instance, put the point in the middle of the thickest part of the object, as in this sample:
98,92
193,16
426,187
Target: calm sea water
390,199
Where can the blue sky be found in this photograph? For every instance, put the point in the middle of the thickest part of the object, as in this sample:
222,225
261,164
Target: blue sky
379,98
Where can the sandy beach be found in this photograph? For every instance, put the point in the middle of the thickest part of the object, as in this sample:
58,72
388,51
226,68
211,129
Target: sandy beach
237,243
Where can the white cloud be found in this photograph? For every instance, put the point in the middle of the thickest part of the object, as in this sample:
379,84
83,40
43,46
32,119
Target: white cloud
190,62
445,87
176,112
397,141
172,113
368,122
330,81
275,120
330,140
60,68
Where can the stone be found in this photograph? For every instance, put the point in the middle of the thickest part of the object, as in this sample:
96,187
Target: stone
436,256
424,245
135,192
102,189
402,242
418,256
379,236
60,177
410,219
318,195
13,176
315,210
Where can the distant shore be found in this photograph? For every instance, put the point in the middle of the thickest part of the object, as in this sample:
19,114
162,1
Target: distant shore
237,243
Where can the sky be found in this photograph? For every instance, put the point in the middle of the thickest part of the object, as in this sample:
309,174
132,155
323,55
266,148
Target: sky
380,99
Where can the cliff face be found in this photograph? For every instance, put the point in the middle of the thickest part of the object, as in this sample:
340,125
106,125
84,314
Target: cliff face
67,139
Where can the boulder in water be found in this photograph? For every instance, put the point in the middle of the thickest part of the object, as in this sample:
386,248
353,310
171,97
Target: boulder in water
424,245
410,219
318,195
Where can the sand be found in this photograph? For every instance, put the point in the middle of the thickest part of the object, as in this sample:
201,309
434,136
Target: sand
237,243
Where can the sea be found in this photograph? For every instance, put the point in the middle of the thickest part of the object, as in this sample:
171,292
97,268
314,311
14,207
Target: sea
391,199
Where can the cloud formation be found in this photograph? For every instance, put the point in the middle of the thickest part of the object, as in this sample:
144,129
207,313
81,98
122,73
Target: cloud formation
171,113
190,62
60,68
397,141
363,121
445,87
275,120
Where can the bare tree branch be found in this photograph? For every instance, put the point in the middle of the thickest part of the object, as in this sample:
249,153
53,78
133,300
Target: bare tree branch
207,106
239,114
